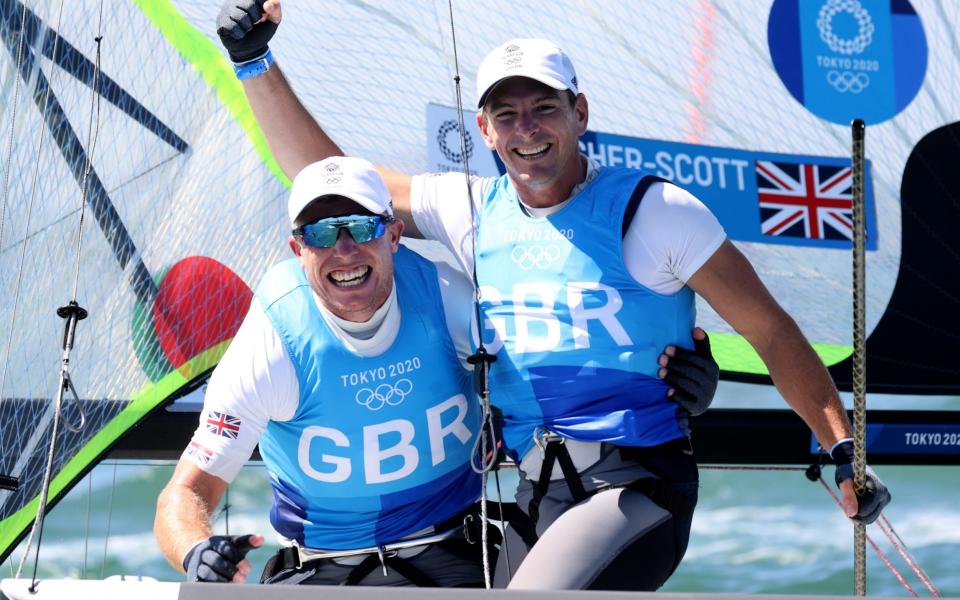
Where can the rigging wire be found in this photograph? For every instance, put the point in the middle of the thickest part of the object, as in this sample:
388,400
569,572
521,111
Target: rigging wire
106,538
38,521
92,135
72,312
481,359
86,533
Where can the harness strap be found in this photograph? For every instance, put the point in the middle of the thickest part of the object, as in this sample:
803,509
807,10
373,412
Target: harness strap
520,521
555,451
663,495
463,527
283,560
286,559
635,199
659,489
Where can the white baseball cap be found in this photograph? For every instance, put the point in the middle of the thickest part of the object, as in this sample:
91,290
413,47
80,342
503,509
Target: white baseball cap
538,59
346,176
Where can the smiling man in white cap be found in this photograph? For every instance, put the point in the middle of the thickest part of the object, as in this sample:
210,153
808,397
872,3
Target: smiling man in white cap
364,416
351,285
585,272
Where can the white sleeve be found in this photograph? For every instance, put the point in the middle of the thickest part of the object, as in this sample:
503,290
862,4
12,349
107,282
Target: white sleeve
670,238
438,203
255,382
456,292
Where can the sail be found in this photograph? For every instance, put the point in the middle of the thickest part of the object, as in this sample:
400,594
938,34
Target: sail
146,133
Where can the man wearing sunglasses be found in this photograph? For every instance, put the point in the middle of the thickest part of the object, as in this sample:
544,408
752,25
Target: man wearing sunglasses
347,372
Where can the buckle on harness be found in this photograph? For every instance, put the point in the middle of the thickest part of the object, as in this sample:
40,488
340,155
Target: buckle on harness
383,560
383,552
468,521
543,436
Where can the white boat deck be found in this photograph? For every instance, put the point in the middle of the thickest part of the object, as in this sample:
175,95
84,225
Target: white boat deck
60,589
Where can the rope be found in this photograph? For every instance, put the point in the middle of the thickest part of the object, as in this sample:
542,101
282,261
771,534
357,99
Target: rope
480,360
503,525
883,523
889,564
748,468
484,532
873,544
37,528
887,528
858,366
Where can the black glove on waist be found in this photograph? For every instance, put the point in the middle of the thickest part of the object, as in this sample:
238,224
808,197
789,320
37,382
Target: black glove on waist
239,32
875,495
216,558
693,375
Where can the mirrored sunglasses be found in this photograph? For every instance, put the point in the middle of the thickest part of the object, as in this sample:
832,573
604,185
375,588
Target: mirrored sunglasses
324,233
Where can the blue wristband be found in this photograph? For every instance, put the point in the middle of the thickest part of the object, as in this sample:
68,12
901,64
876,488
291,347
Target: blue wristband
254,67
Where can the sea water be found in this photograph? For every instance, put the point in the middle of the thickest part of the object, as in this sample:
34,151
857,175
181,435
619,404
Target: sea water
753,531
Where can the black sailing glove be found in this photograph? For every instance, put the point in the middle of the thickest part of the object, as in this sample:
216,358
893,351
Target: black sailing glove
239,32
875,495
216,558
693,375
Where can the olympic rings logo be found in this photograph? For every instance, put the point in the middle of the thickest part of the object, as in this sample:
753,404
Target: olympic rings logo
535,256
384,394
446,128
848,82
865,26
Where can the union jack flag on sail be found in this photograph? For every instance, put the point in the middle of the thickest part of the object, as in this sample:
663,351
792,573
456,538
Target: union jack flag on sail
222,424
805,200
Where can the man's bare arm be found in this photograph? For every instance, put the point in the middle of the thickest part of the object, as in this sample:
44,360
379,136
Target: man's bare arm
295,137
183,511
183,524
728,282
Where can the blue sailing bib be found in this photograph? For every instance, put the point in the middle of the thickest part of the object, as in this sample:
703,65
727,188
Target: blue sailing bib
379,446
576,337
